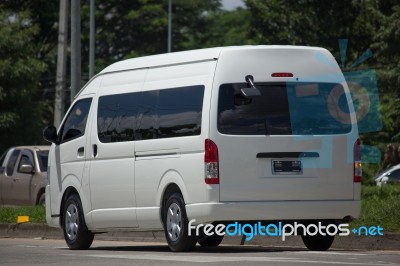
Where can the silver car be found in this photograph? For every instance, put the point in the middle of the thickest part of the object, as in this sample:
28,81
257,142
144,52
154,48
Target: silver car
23,175
391,174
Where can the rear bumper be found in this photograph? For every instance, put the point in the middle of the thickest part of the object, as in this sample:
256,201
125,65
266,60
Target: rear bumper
273,211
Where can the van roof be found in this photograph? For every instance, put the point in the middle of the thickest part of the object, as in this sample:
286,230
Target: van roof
189,56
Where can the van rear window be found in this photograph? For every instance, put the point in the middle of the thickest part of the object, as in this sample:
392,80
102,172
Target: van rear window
284,109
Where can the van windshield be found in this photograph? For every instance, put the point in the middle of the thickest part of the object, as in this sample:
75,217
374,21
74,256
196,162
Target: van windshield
284,109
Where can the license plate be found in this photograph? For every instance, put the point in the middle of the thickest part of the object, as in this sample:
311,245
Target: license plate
286,167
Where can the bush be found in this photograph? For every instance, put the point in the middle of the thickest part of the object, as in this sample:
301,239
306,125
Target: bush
380,206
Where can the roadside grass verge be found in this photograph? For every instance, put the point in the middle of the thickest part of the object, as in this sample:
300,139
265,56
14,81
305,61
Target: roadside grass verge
37,214
380,206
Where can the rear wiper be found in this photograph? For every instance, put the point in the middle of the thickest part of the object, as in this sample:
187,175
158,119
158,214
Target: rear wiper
251,90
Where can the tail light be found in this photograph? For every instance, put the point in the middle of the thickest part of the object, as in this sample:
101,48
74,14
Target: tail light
211,162
357,162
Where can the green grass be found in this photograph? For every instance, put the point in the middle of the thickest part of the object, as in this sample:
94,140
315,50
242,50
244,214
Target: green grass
37,214
380,206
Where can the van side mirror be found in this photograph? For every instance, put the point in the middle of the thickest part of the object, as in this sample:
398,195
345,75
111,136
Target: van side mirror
50,134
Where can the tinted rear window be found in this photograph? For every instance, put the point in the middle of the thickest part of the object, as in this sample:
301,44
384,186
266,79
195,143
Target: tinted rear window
284,109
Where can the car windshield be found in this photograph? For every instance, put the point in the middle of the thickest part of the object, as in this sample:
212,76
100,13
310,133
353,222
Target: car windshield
291,108
43,160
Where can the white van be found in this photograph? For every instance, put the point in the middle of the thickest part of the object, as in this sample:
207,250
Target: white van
214,136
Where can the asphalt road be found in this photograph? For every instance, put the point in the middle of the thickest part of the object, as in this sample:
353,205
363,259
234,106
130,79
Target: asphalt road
22,251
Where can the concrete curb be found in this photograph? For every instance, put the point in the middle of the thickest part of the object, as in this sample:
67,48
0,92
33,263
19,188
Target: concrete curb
390,241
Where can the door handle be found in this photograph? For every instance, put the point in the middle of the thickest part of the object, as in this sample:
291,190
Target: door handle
94,150
81,151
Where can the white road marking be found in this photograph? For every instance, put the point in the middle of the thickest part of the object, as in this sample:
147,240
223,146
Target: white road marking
332,253
209,259
38,246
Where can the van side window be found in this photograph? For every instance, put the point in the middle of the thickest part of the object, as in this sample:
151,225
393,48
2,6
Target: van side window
116,117
166,113
179,112
75,124
147,119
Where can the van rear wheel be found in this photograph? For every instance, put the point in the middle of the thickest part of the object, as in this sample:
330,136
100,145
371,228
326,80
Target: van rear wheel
318,242
76,233
176,225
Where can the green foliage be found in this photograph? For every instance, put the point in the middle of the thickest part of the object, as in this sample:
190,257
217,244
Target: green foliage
127,29
224,28
37,214
387,42
380,206
314,23
20,70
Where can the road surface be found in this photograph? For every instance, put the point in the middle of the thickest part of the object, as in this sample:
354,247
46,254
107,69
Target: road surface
20,251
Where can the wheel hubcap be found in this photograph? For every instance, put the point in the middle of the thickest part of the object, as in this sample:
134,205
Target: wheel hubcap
71,221
174,221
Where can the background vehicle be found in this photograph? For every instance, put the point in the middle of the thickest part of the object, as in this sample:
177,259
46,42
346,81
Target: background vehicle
391,174
23,175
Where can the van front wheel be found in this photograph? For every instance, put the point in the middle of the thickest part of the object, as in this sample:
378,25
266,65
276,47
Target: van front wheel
210,241
176,225
76,233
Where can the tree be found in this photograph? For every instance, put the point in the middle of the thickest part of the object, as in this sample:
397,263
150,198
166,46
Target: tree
222,28
315,23
386,43
128,29
20,70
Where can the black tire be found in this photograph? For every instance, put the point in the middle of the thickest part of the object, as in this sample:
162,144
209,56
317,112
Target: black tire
210,241
176,225
318,242
76,233
42,200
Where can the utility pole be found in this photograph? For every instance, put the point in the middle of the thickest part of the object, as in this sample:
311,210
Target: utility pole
91,39
75,48
59,105
169,25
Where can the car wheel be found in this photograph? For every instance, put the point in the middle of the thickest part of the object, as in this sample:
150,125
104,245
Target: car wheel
210,241
76,233
176,225
42,200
